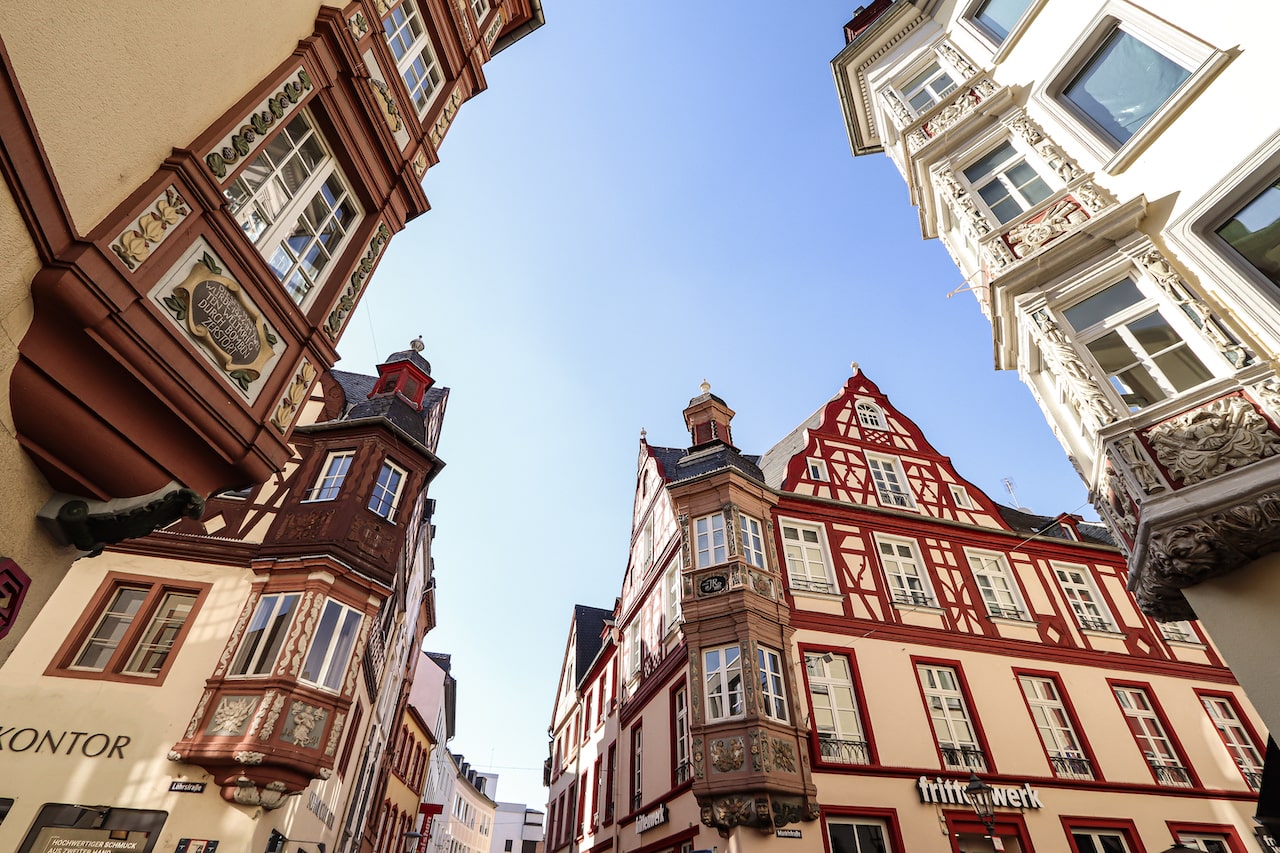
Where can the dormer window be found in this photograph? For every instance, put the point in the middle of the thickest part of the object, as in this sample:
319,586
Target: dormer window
870,415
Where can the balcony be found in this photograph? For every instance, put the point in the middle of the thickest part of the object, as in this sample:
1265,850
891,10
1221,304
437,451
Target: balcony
1173,775
1252,777
683,772
1068,766
912,597
836,750
995,611
963,758
1093,623
803,585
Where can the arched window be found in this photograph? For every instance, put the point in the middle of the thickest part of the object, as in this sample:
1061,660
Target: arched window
870,416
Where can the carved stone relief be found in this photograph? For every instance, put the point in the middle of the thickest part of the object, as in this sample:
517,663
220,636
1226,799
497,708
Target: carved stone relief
962,204
901,115
244,756
1064,362
760,758
231,715
784,755
270,796
335,733
1195,551
1130,456
199,713
729,812
948,53
1030,236
1211,440
304,724
728,754
272,714
699,766
1211,328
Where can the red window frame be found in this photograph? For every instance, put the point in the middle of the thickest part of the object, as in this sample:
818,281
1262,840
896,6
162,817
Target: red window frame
888,816
1164,723
1227,831
859,695
610,769
1126,828
1067,704
637,767
1245,723
967,694
676,782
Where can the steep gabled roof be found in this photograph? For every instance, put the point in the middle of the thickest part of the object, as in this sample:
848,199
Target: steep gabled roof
589,624
1044,525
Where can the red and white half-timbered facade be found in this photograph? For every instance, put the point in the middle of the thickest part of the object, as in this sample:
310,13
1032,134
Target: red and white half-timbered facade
816,648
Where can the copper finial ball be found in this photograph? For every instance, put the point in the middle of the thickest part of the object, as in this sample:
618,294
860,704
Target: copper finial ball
705,387
417,345
854,365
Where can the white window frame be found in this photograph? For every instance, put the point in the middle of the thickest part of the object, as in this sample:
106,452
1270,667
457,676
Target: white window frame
721,667
870,416
1001,593
884,469
999,46
273,614
711,544
415,57
680,730
817,469
480,8
950,717
384,498
960,495
1235,737
1057,732
1083,597
1118,322
936,94
752,540
881,840
1095,837
634,650
671,609
1179,632
1199,58
903,592
1021,154
773,685
808,563
1154,742
269,231
329,484
839,700
1210,842
329,653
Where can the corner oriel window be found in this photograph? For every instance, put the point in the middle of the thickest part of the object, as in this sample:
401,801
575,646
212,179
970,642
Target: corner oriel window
722,670
927,88
330,482
386,490
1141,354
293,203
710,544
752,542
415,60
773,692
265,634
1007,184
331,646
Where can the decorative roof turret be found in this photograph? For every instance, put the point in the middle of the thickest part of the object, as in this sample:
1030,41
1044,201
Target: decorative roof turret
707,417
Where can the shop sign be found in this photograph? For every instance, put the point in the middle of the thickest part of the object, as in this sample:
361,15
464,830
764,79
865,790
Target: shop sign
657,817
59,839
90,745
951,792
787,833
187,787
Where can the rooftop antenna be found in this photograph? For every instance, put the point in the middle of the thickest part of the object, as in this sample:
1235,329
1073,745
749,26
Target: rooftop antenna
1008,485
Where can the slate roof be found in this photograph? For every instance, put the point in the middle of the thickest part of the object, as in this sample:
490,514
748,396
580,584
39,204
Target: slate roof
589,623
357,386
1043,525
774,462
679,464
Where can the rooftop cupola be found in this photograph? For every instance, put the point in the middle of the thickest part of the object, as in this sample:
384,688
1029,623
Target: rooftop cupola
405,374
707,417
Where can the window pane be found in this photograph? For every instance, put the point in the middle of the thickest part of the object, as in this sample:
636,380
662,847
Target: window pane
988,164
998,16
342,650
320,641
1027,182
162,632
1123,84
116,619
1254,232
1102,305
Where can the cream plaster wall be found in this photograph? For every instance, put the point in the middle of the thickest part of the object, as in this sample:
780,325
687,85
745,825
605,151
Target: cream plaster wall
1239,606
153,717
112,94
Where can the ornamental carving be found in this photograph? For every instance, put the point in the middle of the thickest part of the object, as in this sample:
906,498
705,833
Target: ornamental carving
231,715
952,113
1195,551
295,646
761,760
947,51
233,643
728,754
962,204
1211,440
248,793
303,724
1032,235
335,733
698,759
1118,505
359,25
1065,363
355,286
199,714
276,703
134,245
247,757
1130,456
387,103
729,812
258,124
902,116
307,525
420,164
293,397
447,112
216,312
791,810
1211,328
784,756
491,34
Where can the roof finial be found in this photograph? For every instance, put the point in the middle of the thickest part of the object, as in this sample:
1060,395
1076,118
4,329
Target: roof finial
705,387
854,366
416,344
643,434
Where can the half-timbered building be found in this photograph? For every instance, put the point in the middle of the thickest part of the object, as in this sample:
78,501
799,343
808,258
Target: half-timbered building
193,200
821,646
238,679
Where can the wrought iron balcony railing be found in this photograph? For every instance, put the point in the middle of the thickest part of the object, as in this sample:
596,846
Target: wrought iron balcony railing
1067,766
810,585
964,758
843,750
1093,623
683,771
1174,775
998,612
912,596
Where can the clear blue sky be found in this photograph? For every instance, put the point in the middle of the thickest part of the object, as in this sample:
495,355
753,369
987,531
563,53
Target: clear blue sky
647,195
